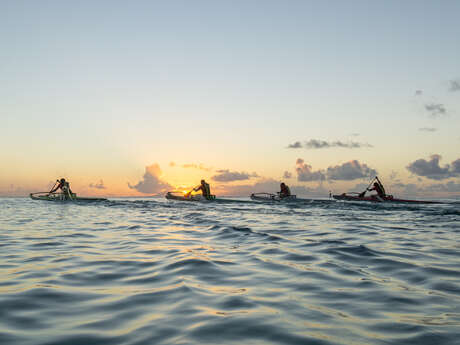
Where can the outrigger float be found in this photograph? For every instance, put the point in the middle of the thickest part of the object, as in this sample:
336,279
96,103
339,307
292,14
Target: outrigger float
181,197
272,197
61,197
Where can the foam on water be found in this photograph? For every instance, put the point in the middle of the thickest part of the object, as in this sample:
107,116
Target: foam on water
149,271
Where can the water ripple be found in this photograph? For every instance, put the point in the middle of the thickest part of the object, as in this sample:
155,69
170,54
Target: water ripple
147,271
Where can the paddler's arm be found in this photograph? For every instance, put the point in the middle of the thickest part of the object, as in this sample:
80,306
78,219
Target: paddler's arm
56,188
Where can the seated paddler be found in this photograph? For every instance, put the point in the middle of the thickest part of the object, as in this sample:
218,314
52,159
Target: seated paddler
284,191
378,188
205,190
64,186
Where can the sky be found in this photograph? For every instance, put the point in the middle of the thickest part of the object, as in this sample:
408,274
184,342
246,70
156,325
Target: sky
137,98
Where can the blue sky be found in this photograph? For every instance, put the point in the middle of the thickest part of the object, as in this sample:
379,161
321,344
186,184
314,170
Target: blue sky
100,90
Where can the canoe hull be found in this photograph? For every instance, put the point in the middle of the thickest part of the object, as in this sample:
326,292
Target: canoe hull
59,197
348,197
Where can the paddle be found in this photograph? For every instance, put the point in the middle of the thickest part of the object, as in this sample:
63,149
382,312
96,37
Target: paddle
53,187
187,195
361,195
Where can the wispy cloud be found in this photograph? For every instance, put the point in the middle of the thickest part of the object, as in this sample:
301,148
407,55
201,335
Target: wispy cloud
323,144
287,174
151,182
435,109
99,185
427,129
454,85
226,175
432,170
393,175
418,92
196,166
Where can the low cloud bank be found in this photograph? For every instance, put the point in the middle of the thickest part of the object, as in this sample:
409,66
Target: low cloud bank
344,172
350,171
151,182
269,186
99,185
432,170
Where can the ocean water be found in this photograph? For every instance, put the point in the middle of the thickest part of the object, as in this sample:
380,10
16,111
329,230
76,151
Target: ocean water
151,271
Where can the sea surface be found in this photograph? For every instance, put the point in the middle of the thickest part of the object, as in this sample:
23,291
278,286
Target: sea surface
151,271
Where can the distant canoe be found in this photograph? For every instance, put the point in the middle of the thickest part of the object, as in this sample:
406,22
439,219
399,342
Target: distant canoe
60,197
390,199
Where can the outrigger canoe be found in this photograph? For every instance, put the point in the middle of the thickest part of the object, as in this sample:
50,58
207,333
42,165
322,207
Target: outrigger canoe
62,197
349,197
271,197
180,197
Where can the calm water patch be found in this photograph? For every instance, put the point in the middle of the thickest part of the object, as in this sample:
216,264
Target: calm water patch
150,271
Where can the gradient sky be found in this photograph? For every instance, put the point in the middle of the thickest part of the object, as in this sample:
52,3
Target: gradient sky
100,90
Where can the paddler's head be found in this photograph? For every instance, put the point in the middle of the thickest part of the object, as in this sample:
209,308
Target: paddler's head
203,182
62,180
282,184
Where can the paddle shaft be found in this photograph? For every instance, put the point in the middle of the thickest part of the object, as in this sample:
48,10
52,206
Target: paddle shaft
54,185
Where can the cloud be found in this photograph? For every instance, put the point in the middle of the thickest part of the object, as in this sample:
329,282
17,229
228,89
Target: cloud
345,172
350,171
99,185
432,170
393,175
226,175
296,145
355,134
454,85
151,182
317,144
306,174
455,167
449,187
191,166
287,174
195,166
269,185
323,144
418,92
435,109
427,129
